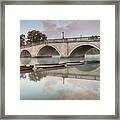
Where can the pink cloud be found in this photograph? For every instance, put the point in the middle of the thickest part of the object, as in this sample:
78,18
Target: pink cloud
73,28
48,25
74,25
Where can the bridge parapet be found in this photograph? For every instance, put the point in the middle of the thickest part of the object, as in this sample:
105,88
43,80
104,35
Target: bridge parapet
65,40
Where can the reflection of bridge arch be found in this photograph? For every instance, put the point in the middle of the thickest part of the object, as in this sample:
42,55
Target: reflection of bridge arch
25,53
97,69
85,47
48,50
92,69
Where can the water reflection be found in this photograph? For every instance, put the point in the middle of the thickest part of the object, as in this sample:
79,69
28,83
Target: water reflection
88,66
59,88
80,82
22,75
25,61
70,72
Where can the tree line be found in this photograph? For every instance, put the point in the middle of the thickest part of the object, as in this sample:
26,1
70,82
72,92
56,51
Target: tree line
33,36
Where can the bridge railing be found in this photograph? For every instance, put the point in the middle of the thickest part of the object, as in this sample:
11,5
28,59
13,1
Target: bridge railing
65,40
85,39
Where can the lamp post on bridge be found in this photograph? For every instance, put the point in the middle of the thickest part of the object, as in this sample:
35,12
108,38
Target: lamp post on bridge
62,35
65,40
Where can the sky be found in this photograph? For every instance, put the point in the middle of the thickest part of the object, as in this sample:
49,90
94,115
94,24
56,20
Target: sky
54,28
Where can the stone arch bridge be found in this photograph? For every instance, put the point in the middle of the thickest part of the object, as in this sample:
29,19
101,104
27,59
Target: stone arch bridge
65,47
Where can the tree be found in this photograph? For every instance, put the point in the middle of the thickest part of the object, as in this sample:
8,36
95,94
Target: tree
22,39
35,36
44,37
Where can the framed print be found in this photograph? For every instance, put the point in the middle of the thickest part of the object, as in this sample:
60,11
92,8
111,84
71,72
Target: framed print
59,59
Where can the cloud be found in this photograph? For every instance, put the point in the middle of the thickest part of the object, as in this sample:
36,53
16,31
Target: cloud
72,28
48,25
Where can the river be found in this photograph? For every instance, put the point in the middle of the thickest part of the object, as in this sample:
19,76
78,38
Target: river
79,82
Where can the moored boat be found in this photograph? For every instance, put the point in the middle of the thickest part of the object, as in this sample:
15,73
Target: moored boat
45,66
25,68
74,63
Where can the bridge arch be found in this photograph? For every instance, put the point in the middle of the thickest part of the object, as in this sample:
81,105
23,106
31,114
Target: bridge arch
52,50
88,46
25,53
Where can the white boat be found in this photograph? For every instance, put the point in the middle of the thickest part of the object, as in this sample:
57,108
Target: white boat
74,63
